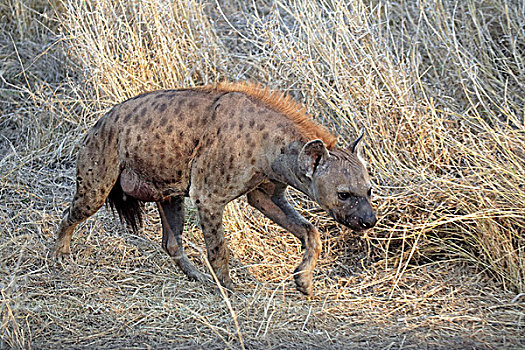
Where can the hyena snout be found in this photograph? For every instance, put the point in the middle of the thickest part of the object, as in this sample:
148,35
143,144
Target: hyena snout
368,220
358,218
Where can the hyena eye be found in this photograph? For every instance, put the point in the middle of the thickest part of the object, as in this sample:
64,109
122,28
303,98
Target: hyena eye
343,195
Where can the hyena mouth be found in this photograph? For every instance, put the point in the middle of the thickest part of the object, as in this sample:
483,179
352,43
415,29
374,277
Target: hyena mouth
353,222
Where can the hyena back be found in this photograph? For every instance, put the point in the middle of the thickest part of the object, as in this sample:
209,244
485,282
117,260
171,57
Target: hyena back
215,144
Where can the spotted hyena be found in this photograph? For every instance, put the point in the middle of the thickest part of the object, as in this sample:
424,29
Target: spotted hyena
215,144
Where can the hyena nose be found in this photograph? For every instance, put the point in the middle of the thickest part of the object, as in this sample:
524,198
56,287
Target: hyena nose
369,220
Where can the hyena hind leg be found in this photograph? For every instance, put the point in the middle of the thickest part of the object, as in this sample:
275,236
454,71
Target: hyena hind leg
86,202
172,218
72,217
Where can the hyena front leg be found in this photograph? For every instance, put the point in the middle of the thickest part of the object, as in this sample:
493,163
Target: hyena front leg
172,218
210,216
270,200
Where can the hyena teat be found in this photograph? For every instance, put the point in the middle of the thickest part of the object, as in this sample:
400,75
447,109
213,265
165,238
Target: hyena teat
215,144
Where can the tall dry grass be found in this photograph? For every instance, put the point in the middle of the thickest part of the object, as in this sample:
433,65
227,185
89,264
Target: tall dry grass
438,86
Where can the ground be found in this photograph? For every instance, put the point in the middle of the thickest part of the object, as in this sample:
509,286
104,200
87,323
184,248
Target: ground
122,291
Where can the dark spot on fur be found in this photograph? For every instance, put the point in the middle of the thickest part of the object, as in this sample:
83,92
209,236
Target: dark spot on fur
260,127
127,117
147,123
143,111
139,138
252,161
179,173
169,129
252,123
181,134
162,107
218,131
163,121
190,124
198,201
241,126
265,135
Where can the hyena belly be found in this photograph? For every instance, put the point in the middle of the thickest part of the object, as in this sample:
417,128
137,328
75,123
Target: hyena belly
159,136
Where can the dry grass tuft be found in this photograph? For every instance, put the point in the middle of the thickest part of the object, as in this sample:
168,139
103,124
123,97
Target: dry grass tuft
439,87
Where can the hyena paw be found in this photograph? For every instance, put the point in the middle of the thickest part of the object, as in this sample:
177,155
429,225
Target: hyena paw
62,252
62,257
226,282
199,277
303,282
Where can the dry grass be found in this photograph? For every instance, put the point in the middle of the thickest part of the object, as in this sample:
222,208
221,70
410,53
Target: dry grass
439,87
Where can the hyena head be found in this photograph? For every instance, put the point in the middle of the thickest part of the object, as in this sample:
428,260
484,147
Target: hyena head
339,182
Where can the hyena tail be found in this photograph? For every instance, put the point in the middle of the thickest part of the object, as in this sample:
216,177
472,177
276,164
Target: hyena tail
129,209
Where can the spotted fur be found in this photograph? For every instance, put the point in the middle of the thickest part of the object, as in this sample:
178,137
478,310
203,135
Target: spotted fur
214,144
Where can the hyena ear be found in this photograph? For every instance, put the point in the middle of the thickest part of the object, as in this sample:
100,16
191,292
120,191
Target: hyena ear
313,154
357,145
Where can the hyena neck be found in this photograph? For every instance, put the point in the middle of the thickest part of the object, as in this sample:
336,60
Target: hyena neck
285,169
